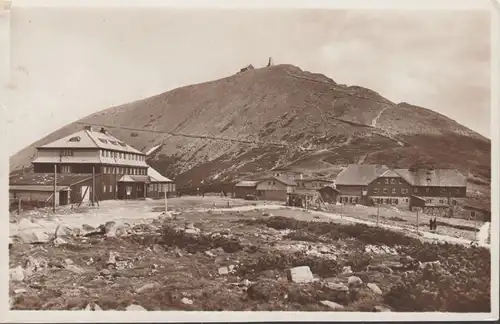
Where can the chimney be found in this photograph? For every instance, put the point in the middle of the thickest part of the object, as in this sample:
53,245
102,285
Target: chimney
88,127
104,131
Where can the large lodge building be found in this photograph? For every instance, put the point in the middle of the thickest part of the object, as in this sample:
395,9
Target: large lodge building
90,159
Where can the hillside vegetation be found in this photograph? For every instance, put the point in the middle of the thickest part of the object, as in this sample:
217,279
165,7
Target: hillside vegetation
281,116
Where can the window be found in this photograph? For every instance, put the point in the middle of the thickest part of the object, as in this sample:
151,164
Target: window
110,188
404,191
400,182
116,188
104,188
415,190
473,214
102,152
393,191
393,181
386,181
385,190
441,201
406,200
65,169
443,190
428,201
454,202
394,201
426,189
457,191
375,190
67,152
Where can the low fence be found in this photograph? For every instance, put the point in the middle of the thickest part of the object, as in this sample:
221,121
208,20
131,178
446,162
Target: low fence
16,204
411,220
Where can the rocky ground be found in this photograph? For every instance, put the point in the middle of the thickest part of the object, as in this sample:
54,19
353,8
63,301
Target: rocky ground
243,260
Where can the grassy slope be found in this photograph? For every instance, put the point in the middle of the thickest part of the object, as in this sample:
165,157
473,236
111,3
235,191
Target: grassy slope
321,123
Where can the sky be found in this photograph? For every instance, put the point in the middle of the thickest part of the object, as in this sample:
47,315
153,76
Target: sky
67,63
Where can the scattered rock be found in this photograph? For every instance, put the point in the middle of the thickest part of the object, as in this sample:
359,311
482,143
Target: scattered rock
59,241
347,270
300,274
135,307
148,286
332,305
431,264
223,271
68,261
379,268
105,272
267,214
210,254
354,282
245,283
33,265
20,291
335,286
75,269
186,301
112,259
381,309
33,236
373,287
192,231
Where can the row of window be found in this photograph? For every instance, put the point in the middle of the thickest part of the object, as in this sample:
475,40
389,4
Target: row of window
124,170
404,191
393,191
123,156
105,188
389,201
391,181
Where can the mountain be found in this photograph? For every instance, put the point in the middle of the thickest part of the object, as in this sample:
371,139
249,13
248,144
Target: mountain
281,116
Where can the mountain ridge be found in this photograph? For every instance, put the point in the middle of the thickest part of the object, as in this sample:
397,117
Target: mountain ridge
281,116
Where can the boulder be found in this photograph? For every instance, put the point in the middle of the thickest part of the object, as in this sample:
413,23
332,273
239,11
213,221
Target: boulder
301,274
33,236
59,241
333,305
381,309
186,301
74,268
347,270
373,287
135,307
16,274
148,286
223,271
354,282
335,286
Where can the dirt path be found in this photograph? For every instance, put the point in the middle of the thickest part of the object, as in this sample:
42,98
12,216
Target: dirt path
374,121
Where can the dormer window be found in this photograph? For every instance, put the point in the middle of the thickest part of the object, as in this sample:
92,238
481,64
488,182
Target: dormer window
75,139
103,140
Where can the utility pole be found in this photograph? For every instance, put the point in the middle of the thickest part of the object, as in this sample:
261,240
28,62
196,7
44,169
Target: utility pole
417,220
475,227
93,186
55,190
165,192
378,212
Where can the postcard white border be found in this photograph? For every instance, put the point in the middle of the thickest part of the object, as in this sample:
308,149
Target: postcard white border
160,316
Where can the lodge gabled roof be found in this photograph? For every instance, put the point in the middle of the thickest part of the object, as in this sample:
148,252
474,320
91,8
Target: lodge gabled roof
90,138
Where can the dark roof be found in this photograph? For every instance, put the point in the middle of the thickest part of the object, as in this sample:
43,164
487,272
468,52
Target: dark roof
433,178
62,179
313,179
477,205
282,180
331,187
360,174
247,183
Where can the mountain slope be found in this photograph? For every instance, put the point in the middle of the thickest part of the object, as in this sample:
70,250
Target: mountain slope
281,116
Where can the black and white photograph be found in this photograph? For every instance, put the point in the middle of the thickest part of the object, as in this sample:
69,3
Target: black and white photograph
276,160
